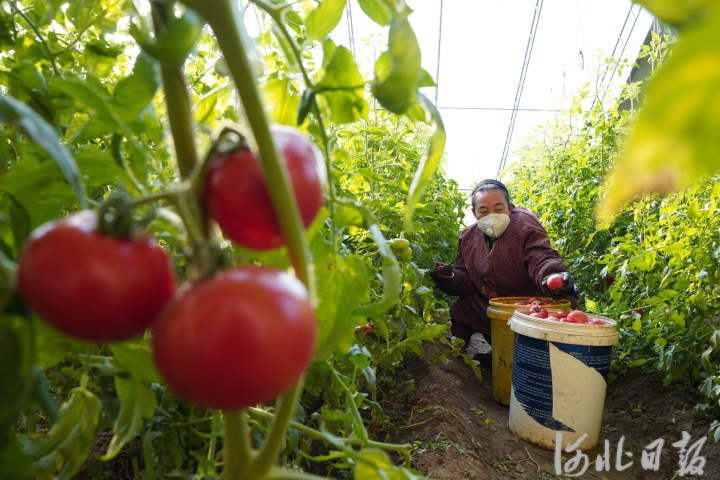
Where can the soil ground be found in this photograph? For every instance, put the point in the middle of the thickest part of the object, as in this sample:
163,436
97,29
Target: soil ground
460,432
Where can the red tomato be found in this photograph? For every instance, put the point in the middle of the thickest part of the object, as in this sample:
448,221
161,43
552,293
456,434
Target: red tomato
562,314
555,281
538,312
596,321
240,338
91,285
576,316
553,318
366,329
237,197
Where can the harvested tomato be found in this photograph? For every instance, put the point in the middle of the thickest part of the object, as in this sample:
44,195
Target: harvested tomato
562,314
94,286
553,318
576,316
240,338
595,321
237,197
538,311
555,281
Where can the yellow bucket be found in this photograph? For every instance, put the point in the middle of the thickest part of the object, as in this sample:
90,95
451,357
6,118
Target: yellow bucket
503,340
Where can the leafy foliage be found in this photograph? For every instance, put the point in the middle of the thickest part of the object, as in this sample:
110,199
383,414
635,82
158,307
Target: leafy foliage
655,269
86,91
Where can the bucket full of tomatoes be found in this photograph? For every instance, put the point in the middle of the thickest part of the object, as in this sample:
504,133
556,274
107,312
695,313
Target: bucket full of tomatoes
559,376
502,338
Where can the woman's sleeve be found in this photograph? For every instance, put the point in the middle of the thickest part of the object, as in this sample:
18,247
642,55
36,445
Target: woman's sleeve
541,259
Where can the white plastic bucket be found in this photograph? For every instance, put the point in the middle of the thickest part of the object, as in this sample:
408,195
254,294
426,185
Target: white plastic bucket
559,379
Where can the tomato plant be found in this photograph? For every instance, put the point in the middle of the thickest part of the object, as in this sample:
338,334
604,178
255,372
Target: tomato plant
112,107
92,285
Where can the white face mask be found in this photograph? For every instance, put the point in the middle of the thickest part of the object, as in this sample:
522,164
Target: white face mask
493,224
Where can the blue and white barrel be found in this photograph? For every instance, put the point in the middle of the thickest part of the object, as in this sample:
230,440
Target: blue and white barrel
559,379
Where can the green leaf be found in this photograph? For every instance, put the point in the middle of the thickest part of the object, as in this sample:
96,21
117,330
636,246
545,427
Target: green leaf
342,284
39,186
14,383
637,325
134,93
176,42
306,102
377,10
137,402
678,11
14,464
23,117
373,463
342,86
19,220
135,357
675,140
430,162
397,71
72,436
324,18
391,275
280,100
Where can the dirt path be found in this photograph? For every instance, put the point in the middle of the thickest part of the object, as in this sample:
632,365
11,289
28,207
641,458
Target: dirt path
461,433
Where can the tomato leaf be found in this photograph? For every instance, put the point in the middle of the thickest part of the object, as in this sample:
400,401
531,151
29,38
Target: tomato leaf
342,86
391,273
175,43
398,69
137,402
282,103
324,18
13,381
675,139
678,12
23,117
134,93
377,10
430,162
342,284
72,436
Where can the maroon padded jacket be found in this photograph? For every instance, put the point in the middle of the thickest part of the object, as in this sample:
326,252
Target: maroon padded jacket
515,267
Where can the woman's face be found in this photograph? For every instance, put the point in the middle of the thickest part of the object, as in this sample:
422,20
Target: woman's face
490,201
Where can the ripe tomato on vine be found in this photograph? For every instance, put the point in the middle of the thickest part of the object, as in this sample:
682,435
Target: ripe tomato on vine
237,197
94,286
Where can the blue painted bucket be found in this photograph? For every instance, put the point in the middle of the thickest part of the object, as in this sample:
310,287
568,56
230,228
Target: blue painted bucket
559,379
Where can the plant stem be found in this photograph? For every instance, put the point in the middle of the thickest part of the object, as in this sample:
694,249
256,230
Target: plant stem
237,445
179,108
402,449
274,439
359,430
328,170
177,100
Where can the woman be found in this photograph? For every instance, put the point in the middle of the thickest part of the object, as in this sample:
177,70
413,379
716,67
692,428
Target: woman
507,253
